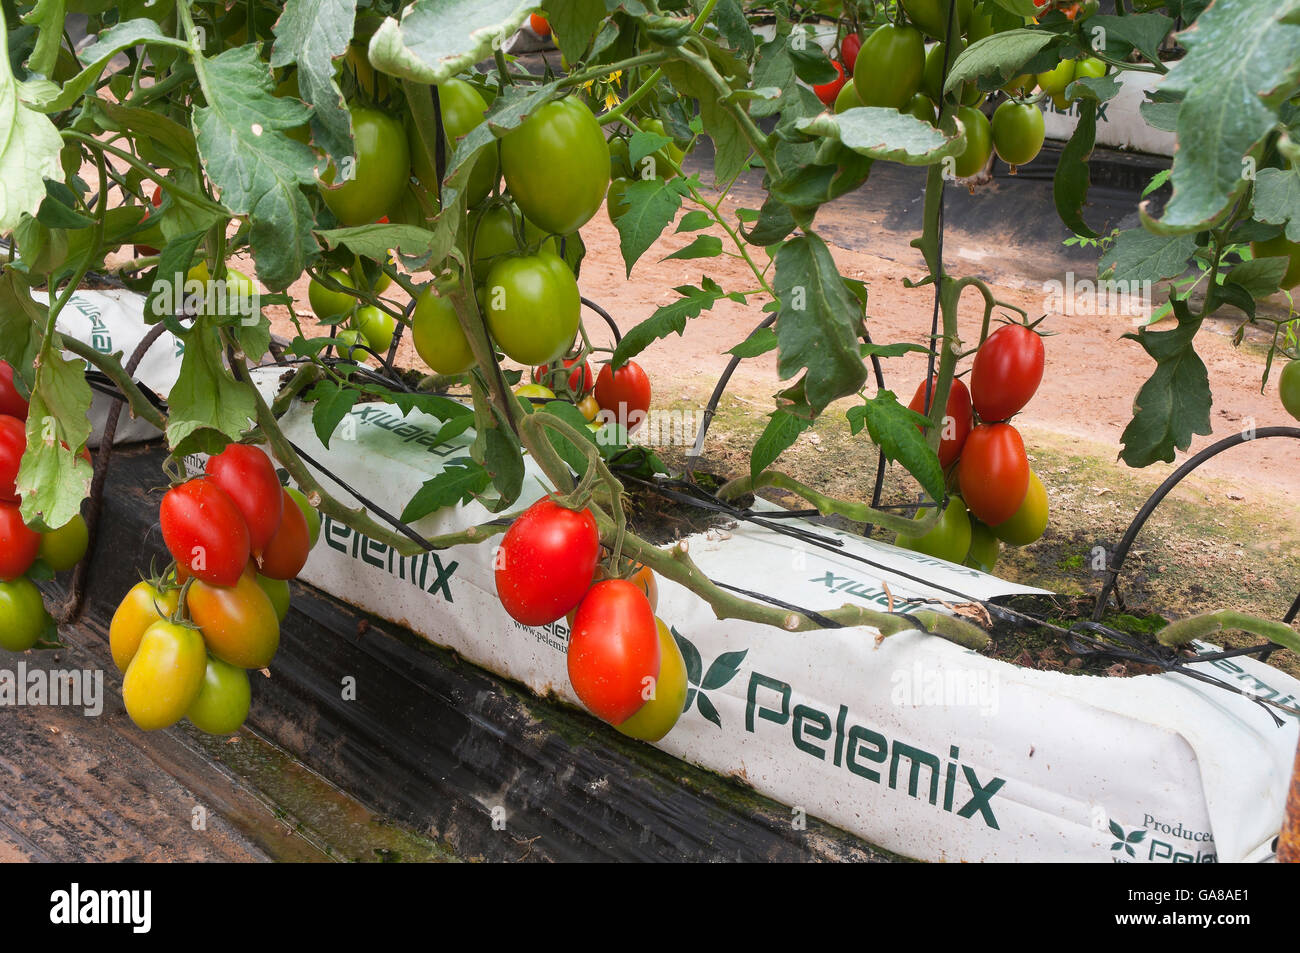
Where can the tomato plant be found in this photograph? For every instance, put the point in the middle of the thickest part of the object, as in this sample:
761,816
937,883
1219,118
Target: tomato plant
1008,369
994,472
1029,521
950,538
829,92
979,142
1018,132
533,307
667,693
205,532
546,562
850,46
579,382
614,653
463,108
247,476
539,24
309,514
556,165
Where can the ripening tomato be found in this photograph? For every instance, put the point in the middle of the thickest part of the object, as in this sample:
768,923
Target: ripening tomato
248,477
11,402
948,539
850,46
546,561
165,675
625,393
140,608
224,699
378,172
1008,369
556,165
984,548
552,374
286,552
979,142
540,25
309,513
533,307
956,422
23,616
204,531
827,92
532,393
18,544
613,650
644,579
277,590
616,200
239,622
994,472
889,67
589,407
439,339
1029,522
665,697
1018,131
1056,79
13,443
1288,388
63,548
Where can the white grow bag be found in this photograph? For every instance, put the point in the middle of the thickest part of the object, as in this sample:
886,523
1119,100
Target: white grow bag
917,745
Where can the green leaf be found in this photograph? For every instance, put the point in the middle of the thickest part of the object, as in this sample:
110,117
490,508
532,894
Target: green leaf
759,342
812,65
670,319
694,220
1137,255
1277,199
643,144
21,317
505,464
573,24
1239,68
312,34
893,428
705,246
818,323
333,402
650,205
731,147
161,141
111,42
167,291
1143,32
1259,277
459,482
1162,116
256,167
29,154
53,479
774,222
892,350
998,57
207,408
435,405
376,241
881,133
436,39
733,25
1070,185
779,435
1175,402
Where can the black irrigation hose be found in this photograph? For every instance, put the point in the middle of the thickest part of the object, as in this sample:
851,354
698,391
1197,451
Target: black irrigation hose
613,325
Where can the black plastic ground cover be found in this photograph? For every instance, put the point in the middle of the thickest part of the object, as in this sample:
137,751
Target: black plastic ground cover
451,751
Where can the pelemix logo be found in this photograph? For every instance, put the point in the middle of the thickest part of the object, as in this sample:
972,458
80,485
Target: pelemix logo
73,688
398,426
848,585
1148,843
722,670
77,906
856,747
424,570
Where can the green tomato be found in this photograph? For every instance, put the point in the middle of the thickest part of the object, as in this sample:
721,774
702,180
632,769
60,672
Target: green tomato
848,98
667,695
932,78
979,142
66,546
346,340
984,547
922,109
890,66
932,15
531,392
224,699
1021,85
1055,80
614,201
1018,132
1090,68
165,675
556,165
377,327
1030,521
234,294
660,163
1281,247
439,339
949,539
493,235
330,304
378,172
1289,388
980,24
463,108
308,511
277,590
533,307
22,614
620,162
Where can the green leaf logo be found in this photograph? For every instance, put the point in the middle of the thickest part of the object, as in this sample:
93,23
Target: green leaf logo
722,670
1125,841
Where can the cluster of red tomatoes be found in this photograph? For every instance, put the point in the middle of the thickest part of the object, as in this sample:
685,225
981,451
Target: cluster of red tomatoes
999,498
624,664
23,616
186,640
621,395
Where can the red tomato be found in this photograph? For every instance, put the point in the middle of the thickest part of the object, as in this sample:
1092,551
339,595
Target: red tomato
11,402
286,553
614,650
625,393
956,422
540,25
248,477
579,379
1008,369
205,532
994,472
142,250
827,92
546,562
13,441
18,544
850,46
